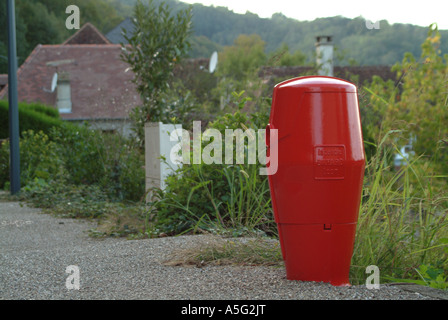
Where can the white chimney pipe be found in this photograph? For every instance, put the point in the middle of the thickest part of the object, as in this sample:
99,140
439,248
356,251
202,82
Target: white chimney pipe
324,51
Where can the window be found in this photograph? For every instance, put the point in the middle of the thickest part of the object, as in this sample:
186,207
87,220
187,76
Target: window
63,101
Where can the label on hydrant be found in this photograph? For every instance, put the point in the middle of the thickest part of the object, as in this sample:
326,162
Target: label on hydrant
329,162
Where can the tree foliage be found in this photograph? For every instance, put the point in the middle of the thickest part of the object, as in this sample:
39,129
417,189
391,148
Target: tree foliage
423,103
245,56
159,40
417,105
284,57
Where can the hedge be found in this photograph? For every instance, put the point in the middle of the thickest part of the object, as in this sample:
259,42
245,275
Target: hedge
32,116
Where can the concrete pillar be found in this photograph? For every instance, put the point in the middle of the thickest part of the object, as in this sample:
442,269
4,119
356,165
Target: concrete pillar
158,147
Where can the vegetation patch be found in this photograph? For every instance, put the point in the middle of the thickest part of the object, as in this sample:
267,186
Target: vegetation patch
221,251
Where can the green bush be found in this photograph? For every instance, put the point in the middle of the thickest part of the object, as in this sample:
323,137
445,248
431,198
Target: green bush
216,197
37,107
66,200
79,155
80,152
110,161
34,116
39,158
4,164
123,162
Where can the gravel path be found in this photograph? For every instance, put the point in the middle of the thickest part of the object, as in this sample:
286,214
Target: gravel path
36,249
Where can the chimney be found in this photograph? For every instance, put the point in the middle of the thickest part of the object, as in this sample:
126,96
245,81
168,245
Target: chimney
324,52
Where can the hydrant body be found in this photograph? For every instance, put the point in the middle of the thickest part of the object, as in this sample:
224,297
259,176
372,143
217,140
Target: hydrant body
316,189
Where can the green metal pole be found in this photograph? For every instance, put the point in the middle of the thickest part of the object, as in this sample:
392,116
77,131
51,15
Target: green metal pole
12,99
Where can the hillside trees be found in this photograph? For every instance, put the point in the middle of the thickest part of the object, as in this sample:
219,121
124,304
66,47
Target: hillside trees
43,22
245,56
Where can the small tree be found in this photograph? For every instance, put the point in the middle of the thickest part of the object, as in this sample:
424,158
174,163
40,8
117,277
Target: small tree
243,58
423,103
417,105
159,40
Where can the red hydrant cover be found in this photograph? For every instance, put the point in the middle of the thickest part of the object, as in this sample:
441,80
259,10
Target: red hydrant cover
316,189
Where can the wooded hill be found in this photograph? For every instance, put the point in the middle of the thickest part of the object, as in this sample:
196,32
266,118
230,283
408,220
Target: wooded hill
43,21
352,38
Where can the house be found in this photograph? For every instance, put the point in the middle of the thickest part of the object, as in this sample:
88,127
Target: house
84,78
325,67
116,34
357,74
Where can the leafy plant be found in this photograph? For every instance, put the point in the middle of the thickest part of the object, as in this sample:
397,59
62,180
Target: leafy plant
4,163
432,277
403,218
218,197
33,116
80,151
244,57
39,158
157,43
66,200
418,104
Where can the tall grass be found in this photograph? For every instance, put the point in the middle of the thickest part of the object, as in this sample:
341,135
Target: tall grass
224,199
248,205
403,219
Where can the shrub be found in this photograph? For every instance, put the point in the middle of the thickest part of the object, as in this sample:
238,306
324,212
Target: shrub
37,107
66,200
4,164
124,174
152,58
34,116
79,155
80,152
111,161
216,197
39,158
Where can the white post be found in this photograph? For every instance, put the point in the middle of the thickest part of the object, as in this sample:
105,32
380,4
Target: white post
158,164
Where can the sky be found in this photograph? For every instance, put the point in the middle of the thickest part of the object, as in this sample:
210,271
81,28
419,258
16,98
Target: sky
421,13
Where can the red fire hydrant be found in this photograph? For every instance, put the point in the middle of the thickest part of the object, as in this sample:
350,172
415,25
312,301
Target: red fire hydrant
316,189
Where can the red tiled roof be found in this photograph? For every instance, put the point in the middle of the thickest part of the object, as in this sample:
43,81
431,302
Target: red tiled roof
364,73
101,86
88,34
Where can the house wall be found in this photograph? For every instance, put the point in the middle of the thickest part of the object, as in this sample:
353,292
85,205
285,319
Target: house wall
120,126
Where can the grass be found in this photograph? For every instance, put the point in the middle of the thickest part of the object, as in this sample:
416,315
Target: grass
247,209
403,220
220,251
122,221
